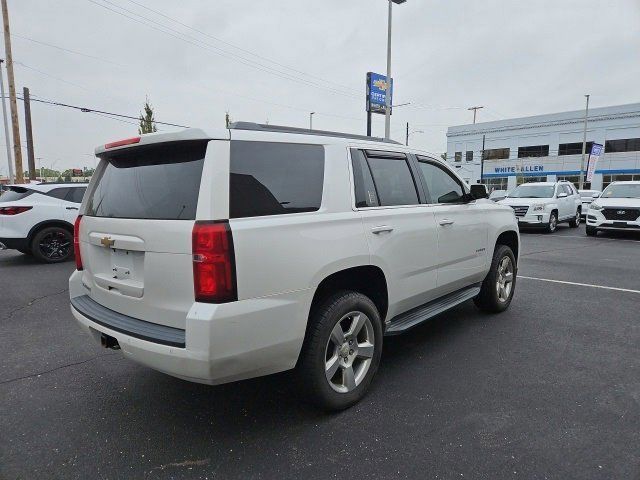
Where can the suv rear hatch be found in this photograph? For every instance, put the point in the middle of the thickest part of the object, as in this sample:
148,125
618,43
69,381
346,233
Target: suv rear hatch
136,230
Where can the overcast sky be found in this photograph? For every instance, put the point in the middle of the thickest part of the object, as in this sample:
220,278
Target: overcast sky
280,60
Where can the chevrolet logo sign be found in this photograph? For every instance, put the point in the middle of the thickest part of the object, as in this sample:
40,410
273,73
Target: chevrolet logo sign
107,242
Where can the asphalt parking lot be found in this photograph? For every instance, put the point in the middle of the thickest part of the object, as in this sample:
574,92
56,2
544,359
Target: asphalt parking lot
549,389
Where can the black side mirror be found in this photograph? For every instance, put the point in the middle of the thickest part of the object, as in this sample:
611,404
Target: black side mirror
478,191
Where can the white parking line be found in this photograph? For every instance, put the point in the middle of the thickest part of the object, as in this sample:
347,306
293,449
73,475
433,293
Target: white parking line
580,284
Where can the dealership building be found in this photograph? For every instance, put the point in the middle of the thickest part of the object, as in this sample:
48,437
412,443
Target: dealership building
548,148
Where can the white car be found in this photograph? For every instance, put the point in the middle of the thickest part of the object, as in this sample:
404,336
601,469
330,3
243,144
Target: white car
545,204
37,219
587,197
618,208
219,256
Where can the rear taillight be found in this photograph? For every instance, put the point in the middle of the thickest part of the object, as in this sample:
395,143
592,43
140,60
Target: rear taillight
122,143
13,210
214,272
76,242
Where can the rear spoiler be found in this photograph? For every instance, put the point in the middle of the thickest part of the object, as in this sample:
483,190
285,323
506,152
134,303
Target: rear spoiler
152,138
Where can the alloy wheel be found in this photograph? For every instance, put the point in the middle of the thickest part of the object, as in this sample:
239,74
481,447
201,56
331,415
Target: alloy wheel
504,282
55,245
349,351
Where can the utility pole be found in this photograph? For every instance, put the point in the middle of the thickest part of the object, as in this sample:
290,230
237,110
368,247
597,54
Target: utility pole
7,138
17,148
311,120
27,120
584,144
482,161
475,110
407,142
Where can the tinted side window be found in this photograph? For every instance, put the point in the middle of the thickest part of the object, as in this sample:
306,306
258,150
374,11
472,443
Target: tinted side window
15,193
365,190
59,193
75,194
393,181
441,185
275,178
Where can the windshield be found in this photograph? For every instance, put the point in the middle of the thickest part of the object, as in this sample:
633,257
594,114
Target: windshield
622,190
532,191
14,193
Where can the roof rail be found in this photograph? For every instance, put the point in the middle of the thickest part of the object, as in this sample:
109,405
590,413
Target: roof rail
259,127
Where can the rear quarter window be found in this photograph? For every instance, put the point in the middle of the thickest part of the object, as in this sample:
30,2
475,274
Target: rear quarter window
160,182
274,178
15,193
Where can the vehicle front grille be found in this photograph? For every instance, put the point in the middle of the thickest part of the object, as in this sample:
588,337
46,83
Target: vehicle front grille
520,211
628,214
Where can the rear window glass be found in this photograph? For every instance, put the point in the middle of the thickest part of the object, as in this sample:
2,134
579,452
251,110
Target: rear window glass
15,193
275,178
159,182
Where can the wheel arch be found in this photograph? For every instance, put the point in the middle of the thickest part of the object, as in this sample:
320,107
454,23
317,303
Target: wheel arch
511,239
48,223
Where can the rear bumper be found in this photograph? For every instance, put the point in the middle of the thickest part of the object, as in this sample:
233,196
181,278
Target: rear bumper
223,343
14,243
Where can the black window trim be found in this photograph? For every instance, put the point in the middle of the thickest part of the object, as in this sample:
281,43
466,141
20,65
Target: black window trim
436,163
391,155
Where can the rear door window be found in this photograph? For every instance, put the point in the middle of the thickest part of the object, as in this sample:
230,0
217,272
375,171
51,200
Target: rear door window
75,194
393,179
59,193
160,182
275,178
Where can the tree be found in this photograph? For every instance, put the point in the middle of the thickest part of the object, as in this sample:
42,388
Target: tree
147,122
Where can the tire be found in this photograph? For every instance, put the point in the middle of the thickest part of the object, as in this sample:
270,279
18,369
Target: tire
552,226
591,231
52,245
325,348
575,223
492,298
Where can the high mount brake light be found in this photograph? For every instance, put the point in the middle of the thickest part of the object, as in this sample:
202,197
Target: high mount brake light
76,242
121,143
13,210
214,269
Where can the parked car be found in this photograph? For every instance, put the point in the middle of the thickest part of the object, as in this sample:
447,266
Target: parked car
587,197
498,195
37,219
545,204
280,248
618,208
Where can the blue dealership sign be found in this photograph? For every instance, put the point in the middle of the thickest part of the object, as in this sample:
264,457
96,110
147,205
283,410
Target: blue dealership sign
377,92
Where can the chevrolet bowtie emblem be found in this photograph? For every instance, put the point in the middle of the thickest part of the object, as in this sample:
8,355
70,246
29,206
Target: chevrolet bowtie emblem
107,242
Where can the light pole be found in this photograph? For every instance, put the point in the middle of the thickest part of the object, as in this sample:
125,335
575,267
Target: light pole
584,144
387,100
311,120
411,133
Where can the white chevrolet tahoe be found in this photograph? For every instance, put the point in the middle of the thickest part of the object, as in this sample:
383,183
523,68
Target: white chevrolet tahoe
219,256
545,204
617,208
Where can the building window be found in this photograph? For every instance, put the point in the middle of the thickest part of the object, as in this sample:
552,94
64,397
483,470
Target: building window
458,156
575,179
469,156
623,145
573,148
496,154
533,151
527,179
496,183
607,179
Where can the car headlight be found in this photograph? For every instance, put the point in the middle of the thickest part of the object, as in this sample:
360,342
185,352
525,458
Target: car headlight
595,206
538,208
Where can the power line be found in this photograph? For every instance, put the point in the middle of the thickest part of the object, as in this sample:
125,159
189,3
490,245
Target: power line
150,23
64,49
168,17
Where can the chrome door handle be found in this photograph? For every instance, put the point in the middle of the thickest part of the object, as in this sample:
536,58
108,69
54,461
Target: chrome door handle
382,229
445,221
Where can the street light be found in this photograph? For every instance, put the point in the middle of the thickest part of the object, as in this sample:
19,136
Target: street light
387,110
